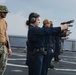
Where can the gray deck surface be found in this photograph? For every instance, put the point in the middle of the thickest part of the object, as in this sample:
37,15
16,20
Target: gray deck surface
16,64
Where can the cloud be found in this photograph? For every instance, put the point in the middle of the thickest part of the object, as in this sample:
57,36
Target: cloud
2,1
55,10
16,24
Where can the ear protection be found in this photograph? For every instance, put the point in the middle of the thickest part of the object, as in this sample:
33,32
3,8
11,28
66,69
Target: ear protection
33,17
33,20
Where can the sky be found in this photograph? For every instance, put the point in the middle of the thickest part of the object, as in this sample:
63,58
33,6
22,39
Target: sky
55,10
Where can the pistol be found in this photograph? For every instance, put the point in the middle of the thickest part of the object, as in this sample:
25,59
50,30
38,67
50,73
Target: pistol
68,22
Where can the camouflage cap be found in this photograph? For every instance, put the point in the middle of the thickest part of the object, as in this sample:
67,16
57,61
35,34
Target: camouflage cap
3,8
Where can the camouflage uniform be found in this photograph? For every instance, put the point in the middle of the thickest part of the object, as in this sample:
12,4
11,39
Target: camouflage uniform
3,59
3,49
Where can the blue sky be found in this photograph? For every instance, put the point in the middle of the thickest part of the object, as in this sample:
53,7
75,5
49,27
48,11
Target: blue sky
55,10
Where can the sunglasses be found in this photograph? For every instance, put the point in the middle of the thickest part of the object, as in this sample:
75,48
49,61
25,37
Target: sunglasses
5,12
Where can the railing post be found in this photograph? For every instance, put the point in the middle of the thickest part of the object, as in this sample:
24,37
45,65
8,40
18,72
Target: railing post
73,45
62,45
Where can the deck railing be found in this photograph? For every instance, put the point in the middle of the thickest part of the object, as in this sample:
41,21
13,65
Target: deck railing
20,42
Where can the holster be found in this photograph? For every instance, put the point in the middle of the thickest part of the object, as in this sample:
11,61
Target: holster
33,56
44,51
7,44
50,45
35,53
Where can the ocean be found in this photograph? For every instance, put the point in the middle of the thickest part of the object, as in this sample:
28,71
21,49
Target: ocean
70,45
20,42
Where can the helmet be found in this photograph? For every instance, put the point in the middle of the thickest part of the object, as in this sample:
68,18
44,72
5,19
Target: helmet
3,8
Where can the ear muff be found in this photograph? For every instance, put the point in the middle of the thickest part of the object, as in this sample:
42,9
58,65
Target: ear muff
33,20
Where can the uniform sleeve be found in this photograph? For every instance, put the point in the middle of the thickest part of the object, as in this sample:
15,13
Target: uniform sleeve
47,31
57,29
63,35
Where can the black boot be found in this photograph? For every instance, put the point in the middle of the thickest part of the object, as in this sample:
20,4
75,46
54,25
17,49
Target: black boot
51,66
56,59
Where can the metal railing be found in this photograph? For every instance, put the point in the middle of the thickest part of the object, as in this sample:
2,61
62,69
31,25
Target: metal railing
20,42
69,45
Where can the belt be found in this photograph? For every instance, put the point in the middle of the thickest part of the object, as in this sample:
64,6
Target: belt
50,45
42,50
1,44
